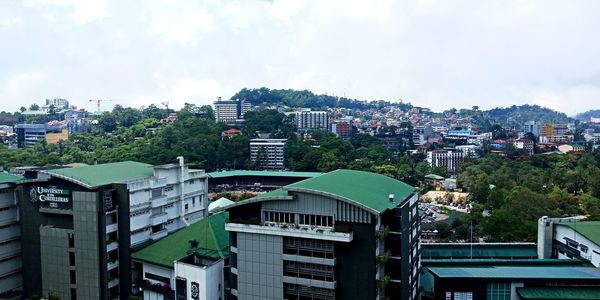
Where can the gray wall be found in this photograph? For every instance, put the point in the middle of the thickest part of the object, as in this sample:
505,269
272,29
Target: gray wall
55,261
260,266
85,224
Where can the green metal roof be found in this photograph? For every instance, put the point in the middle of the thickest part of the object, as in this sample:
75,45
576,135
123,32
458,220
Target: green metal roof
104,174
504,262
210,233
480,250
8,178
366,189
224,174
589,229
518,272
581,293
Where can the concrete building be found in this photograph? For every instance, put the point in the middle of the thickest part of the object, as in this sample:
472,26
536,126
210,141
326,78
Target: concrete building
531,127
450,159
341,129
526,145
229,111
567,238
269,154
11,281
421,133
30,134
80,223
342,235
189,264
311,120
58,103
467,150
557,139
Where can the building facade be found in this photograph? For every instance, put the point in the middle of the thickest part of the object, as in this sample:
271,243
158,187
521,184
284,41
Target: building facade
30,134
11,280
311,120
450,159
342,235
532,127
80,223
268,154
341,129
57,103
228,111
568,238
421,133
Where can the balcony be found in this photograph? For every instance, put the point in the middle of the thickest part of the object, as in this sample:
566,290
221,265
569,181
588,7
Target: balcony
292,231
113,282
158,201
158,219
159,234
112,265
310,282
111,245
112,227
9,233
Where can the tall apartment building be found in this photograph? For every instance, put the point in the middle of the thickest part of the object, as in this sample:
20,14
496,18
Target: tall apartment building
450,159
342,235
268,153
311,120
80,223
421,133
11,281
230,110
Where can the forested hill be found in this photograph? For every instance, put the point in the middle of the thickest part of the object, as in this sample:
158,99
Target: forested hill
517,115
588,114
305,98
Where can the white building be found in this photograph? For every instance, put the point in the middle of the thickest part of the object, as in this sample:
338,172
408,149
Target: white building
568,238
171,199
10,244
450,159
467,150
58,104
228,111
311,120
268,153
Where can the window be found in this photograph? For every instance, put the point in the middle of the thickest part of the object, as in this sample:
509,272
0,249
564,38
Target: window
169,188
279,217
316,220
194,201
571,243
157,278
73,294
73,277
186,207
498,291
463,296
157,193
71,259
71,240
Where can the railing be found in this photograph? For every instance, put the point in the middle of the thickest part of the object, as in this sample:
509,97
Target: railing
158,218
285,230
159,234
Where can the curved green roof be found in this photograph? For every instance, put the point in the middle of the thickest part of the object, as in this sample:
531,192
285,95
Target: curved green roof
8,178
582,293
233,173
98,175
589,229
210,233
366,189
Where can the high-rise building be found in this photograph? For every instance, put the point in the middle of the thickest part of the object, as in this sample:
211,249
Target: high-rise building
11,281
228,111
268,153
450,159
79,224
311,120
342,235
532,127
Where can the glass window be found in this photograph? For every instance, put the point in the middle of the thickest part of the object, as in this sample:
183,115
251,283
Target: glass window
498,291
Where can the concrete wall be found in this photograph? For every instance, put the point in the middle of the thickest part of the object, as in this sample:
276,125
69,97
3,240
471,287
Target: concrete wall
55,261
560,232
260,267
87,246
209,279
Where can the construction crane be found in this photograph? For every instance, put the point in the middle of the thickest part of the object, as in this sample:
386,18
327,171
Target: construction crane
98,101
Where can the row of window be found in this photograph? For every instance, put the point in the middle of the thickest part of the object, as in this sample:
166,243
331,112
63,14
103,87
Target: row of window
303,219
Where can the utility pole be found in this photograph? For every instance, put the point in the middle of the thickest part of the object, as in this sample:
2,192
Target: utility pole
98,101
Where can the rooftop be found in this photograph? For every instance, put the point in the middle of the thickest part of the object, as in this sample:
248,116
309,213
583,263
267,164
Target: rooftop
434,176
589,229
233,173
210,233
518,272
98,175
366,189
559,293
8,178
478,251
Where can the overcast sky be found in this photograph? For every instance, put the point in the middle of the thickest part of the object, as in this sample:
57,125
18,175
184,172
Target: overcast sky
438,54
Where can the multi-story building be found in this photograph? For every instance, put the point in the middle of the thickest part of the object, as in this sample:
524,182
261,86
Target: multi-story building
557,139
450,159
560,129
568,238
341,129
531,127
342,235
229,111
311,120
526,145
57,103
79,224
421,133
268,153
11,281
467,150
30,134
188,264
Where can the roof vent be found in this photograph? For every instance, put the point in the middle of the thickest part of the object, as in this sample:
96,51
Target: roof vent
391,197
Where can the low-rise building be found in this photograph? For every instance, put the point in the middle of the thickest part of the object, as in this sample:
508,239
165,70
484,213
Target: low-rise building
526,145
189,264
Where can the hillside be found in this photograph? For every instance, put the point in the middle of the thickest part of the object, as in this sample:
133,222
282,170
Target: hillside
517,115
588,114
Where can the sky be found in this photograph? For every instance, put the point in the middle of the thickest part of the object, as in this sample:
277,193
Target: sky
437,54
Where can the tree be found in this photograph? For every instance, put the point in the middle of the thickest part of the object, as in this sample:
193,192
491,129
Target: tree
34,107
22,109
107,122
444,230
328,162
